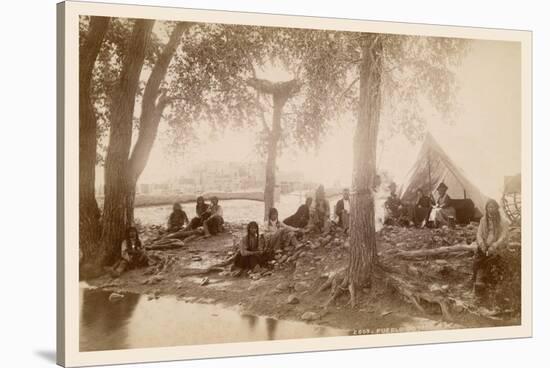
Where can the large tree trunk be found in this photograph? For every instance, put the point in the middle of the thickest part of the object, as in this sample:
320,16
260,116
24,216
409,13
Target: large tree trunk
151,113
139,158
89,216
272,151
120,139
362,223
280,92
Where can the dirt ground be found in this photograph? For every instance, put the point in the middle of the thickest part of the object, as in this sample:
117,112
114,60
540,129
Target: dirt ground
290,290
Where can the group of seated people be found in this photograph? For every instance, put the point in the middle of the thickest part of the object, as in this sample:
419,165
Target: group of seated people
426,211
258,248
210,217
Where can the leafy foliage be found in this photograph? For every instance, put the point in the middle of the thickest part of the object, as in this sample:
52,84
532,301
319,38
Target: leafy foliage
207,79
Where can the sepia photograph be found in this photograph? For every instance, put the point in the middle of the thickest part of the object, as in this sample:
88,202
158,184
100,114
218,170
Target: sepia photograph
244,182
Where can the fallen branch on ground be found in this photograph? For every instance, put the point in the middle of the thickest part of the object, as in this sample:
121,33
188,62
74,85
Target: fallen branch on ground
166,244
434,252
218,267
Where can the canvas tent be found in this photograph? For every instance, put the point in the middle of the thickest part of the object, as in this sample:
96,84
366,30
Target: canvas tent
432,167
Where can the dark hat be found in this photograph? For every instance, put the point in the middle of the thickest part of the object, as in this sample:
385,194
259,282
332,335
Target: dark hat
442,185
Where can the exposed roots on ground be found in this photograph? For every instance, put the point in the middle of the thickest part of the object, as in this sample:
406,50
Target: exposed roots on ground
338,284
218,267
414,292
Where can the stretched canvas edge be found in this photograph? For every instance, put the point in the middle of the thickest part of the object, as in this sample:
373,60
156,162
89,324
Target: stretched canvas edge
68,353
60,189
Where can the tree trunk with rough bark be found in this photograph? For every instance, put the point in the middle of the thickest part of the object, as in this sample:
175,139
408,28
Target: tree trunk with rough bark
362,219
120,139
151,114
89,215
272,151
280,92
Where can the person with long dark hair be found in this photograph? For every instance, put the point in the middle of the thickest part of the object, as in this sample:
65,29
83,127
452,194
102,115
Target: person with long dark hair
132,254
253,250
278,234
492,235
201,211
178,219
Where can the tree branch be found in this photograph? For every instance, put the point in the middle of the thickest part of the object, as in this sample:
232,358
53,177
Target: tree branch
151,107
348,88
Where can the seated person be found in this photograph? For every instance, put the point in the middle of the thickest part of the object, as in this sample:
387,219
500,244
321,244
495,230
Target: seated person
201,210
492,235
320,212
394,210
301,218
214,223
253,250
421,209
177,220
442,212
278,234
341,212
132,254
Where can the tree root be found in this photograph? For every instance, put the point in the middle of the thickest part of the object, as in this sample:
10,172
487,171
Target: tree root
166,244
339,283
414,293
218,267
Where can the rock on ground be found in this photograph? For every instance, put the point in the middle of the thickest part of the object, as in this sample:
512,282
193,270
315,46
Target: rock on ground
292,299
114,297
310,316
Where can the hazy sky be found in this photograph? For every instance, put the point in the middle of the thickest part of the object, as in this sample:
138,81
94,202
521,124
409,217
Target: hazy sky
484,141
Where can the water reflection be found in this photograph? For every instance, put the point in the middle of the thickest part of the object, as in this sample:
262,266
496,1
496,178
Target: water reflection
104,323
135,322
271,324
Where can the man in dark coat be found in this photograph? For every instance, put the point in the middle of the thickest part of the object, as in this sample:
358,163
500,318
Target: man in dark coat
342,210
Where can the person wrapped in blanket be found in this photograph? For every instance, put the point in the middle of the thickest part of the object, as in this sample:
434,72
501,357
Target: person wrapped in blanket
492,237
301,218
214,223
177,220
132,254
